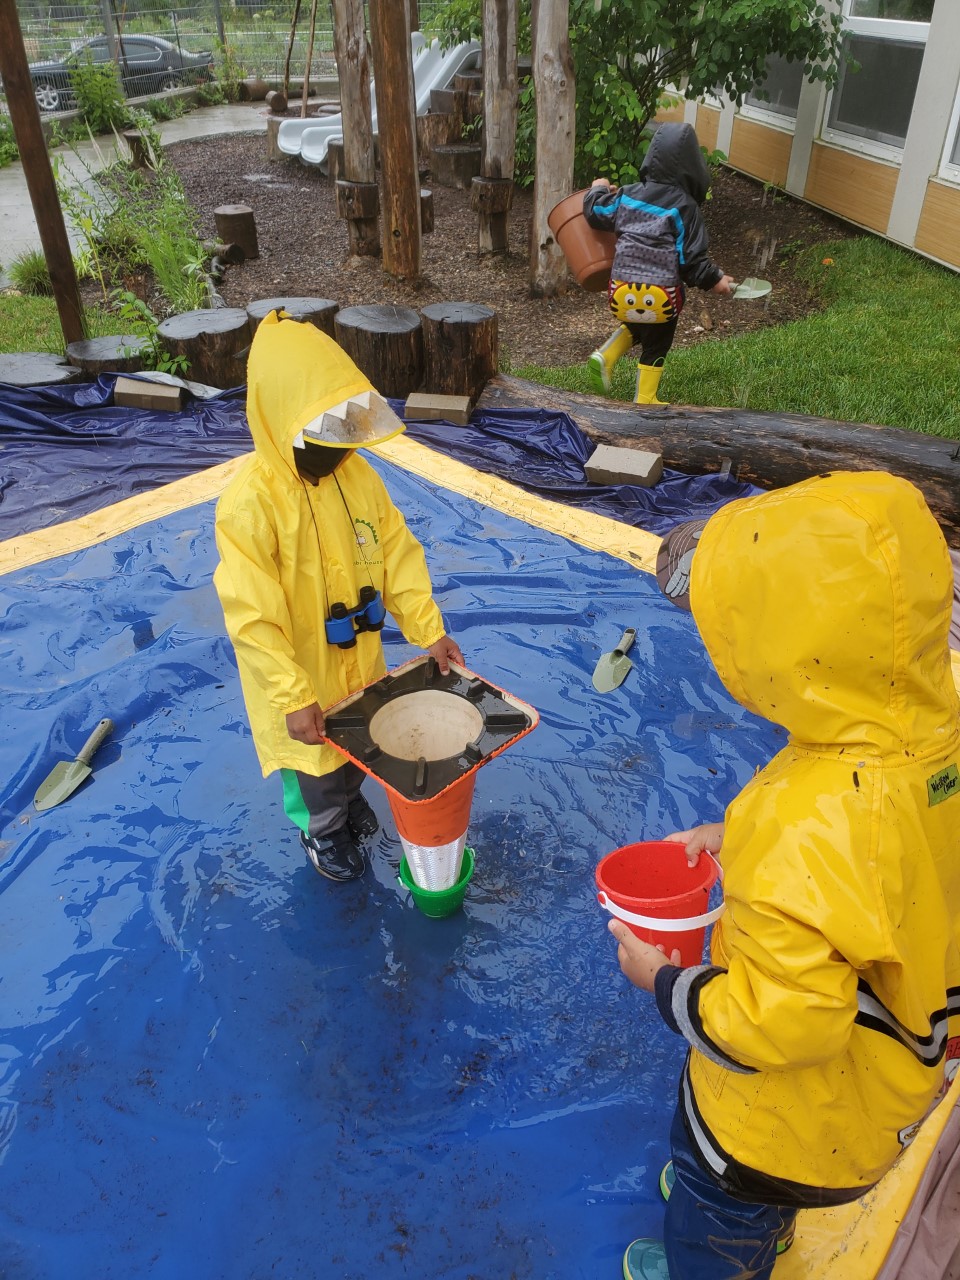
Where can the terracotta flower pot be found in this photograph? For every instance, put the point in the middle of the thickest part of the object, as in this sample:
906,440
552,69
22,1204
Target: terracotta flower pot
589,253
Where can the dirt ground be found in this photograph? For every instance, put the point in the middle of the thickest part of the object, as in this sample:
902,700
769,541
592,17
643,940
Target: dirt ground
304,252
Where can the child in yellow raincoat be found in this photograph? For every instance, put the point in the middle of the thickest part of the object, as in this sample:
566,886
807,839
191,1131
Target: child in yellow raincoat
827,1024
312,549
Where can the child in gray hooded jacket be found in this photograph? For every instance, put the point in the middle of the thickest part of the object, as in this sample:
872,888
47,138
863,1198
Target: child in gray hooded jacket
661,246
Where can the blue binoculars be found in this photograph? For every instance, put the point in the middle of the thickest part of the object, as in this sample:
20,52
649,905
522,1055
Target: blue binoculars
343,624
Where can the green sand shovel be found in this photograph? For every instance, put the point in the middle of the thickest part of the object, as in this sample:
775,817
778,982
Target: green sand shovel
751,288
65,777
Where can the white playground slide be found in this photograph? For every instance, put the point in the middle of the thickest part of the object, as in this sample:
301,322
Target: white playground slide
433,68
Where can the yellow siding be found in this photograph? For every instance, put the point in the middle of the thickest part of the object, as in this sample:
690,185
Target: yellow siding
708,122
670,113
760,150
851,186
939,231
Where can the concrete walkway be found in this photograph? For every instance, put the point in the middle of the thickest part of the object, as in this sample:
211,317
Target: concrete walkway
18,227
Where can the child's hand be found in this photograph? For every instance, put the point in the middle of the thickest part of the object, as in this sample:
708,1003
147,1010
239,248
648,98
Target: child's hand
307,725
726,284
446,651
602,182
707,837
639,961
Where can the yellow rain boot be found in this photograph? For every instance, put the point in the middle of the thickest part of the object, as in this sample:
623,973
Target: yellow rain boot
648,379
600,365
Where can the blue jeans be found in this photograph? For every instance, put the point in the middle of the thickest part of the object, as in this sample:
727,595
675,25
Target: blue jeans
708,1235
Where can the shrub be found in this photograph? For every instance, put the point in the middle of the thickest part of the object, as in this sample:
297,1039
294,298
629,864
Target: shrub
99,95
30,273
8,143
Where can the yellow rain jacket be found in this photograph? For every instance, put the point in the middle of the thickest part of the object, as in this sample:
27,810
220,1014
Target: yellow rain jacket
290,549
823,1030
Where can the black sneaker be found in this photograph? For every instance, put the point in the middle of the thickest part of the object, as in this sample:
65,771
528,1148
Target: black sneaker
361,820
334,856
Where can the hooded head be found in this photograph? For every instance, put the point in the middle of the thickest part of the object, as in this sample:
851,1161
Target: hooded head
305,393
674,158
825,608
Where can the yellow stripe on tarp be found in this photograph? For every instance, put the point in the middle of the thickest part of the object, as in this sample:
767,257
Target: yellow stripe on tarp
86,531
599,533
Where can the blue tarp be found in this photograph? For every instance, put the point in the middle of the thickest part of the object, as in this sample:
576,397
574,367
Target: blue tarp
67,451
216,1064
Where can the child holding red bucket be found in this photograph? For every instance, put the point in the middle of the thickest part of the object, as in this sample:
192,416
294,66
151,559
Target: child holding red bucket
661,246
312,554
827,1024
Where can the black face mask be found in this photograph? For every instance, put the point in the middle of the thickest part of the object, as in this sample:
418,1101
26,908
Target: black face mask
318,460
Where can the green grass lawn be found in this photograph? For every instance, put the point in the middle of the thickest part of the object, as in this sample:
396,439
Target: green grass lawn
886,348
31,324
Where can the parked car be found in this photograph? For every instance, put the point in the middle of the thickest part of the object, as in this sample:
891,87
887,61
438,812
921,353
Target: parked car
147,64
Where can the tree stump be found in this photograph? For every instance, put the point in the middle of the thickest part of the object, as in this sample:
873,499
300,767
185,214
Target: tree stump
443,102
273,134
359,204
236,225
315,311
460,348
334,160
437,129
492,198
35,369
468,82
455,165
277,101
139,151
426,211
108,355
215,344
386,343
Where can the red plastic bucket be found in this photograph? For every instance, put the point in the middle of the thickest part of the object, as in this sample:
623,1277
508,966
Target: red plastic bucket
652,887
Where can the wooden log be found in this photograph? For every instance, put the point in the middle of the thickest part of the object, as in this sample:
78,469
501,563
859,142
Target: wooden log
766,449
474,105
386,343
359,204
123,354
437,129
236,225
35,369
455,165
443,101
468,81
316,311
460,348
426,211
491,195
215,344
499,121
277,101
359,154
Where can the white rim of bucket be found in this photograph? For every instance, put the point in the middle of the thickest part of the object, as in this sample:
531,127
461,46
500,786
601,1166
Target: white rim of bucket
670,924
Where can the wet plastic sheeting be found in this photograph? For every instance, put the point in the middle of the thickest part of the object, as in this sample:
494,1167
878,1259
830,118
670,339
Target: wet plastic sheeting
67,451
215,1063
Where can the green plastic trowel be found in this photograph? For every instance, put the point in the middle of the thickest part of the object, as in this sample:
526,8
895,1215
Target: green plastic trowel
64,778
612,668
751,288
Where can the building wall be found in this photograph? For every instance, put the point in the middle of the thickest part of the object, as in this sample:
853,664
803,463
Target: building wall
908,193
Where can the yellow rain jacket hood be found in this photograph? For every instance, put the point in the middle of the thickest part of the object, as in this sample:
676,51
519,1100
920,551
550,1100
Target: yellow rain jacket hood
829,1020
290,549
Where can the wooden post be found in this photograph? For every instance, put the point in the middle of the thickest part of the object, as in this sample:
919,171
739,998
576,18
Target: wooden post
555,89
393,73
25,118
236,225
293,34
306,66
414,15
359,162
499,117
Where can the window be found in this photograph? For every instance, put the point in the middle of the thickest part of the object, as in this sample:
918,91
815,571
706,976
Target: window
779,90
886,38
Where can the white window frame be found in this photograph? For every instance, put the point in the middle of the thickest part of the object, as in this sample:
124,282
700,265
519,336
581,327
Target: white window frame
950,169
763,115
912,33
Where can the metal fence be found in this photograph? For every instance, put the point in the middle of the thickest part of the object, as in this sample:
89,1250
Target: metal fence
158,45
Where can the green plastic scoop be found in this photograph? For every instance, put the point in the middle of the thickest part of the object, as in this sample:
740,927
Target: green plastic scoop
612,668
65,777
751,288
